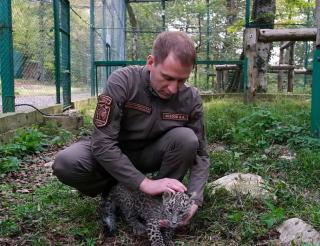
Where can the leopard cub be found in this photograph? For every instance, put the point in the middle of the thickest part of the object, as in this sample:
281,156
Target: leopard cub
143,212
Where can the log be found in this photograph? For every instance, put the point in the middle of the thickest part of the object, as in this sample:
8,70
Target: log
280,67
294,34
228,67
296,71
303,71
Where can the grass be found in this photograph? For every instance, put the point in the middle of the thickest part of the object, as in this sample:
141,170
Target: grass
53,213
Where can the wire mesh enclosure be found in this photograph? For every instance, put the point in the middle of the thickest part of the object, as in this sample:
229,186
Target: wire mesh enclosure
33,49
50,69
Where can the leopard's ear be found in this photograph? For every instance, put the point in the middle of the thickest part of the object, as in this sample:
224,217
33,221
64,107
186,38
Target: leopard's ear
166,196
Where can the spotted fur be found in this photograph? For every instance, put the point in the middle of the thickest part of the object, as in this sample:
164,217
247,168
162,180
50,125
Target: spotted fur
143,212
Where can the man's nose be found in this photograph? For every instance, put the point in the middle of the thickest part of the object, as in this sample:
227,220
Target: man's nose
173,87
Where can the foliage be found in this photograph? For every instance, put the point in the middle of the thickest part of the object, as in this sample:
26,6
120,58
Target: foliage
55,213
8,164
33,32
28,141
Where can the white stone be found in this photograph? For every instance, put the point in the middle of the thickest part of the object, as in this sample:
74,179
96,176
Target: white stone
296,232
48,164
243,183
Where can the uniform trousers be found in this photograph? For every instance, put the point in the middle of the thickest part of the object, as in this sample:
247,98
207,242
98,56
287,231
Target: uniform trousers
171,156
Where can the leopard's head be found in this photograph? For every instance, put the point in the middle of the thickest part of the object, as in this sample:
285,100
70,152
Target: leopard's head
176,207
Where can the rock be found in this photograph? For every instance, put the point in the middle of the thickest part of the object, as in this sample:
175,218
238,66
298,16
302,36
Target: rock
281,152
296,232
241,183
48,164
217,147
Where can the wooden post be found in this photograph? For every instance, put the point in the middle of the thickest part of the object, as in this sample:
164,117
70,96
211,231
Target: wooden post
281,73
219,79
291,71
225,78
250,45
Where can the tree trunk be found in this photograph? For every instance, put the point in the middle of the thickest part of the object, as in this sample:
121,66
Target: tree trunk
135,33
263,15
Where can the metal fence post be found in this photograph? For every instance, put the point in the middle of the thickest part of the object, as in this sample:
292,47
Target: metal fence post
315,112
247,16
315,98
92,48
6,57
57,54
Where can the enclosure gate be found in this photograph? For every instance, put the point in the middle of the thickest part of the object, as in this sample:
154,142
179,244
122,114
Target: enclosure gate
62,50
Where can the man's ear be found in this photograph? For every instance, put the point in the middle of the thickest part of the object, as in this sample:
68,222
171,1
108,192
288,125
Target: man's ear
150,62
166,196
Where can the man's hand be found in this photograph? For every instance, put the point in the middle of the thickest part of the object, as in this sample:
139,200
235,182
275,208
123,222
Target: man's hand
188,218
158,186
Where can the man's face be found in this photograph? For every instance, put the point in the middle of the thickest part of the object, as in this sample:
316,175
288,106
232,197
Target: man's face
168,77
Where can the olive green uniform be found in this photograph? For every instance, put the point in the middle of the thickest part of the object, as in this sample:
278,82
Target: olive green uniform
137,132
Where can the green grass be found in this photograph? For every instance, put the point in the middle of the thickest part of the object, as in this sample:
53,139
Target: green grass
54,213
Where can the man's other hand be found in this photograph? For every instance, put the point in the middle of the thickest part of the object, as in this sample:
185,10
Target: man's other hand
188,218
158,186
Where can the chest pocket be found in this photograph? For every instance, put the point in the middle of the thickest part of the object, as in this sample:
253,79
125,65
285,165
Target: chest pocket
136,117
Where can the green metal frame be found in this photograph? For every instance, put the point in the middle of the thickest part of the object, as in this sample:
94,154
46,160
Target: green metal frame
57,53
199,62
6,57
315,98
127,63
65,53
247,16
92,48
62,51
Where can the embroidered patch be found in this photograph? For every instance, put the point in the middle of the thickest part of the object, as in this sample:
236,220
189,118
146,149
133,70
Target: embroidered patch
175,116
139,107
101,116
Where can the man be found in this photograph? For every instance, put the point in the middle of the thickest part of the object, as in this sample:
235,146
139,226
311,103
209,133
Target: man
146,121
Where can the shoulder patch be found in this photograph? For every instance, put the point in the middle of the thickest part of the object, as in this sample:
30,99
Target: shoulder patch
102,113
175,116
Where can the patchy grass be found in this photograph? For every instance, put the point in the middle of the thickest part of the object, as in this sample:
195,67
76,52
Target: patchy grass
36,209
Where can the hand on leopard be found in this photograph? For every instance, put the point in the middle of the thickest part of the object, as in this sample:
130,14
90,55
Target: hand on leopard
188,218
155,187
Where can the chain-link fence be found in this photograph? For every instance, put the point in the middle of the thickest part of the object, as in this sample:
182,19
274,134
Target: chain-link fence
80,49
109,36
215,26
40,79
33,52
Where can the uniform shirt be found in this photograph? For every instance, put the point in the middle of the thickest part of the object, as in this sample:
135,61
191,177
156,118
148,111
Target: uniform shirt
129,113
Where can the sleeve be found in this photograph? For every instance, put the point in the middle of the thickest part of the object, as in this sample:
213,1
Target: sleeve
104,140
200,170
